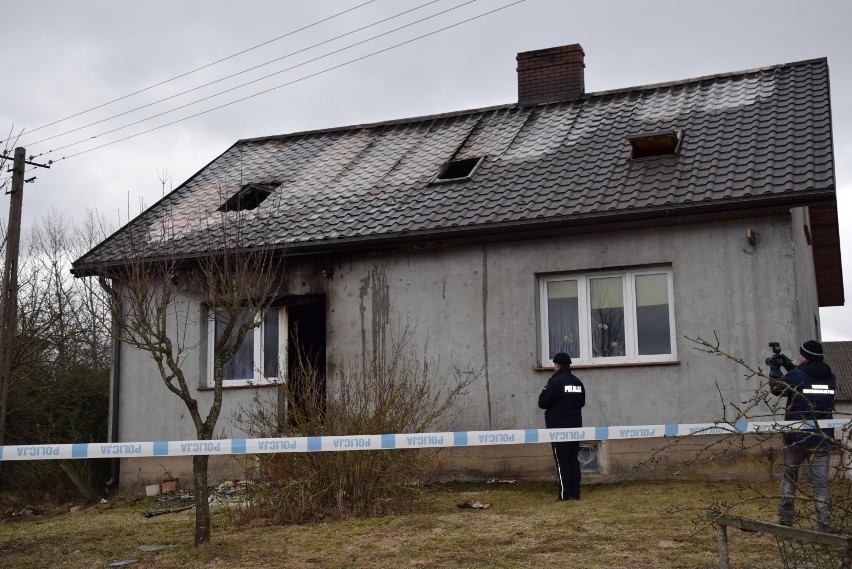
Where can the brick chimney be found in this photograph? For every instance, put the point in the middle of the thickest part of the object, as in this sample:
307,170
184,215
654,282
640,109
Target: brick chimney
551,75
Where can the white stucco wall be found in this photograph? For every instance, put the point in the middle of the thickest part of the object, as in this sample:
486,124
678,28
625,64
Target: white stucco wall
477,306
808,301
149,412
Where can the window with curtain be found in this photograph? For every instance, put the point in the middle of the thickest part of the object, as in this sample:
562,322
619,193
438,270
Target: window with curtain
613,317
259,356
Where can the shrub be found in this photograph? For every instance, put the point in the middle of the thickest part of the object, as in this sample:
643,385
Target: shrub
404,393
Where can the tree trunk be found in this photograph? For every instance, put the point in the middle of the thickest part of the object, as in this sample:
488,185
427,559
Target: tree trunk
202,506
79,484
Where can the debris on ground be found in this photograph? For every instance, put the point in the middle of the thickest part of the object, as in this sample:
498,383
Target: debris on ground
26,512
169,511
170,486
155,548
230,493
181,496
123,562
474,504
495,481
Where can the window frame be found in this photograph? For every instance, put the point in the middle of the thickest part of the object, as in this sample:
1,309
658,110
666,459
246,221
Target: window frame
249,196
639,152
439,179
258,377
631,337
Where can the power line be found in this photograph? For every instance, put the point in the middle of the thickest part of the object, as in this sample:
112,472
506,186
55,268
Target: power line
295,80
256,80
236,74
303,28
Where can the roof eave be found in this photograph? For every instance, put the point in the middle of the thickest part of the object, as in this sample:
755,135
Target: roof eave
592,222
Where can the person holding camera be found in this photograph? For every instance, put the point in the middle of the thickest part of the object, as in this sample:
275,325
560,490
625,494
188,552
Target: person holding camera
562,399
809,388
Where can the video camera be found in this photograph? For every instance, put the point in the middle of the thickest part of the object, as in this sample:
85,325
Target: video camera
777,360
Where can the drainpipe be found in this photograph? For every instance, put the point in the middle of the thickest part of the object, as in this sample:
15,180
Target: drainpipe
114,398
114,380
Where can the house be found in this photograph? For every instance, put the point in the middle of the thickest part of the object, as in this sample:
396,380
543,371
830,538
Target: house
615,226
839,356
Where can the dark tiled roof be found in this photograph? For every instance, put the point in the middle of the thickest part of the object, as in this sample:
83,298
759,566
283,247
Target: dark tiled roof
756,137
839,356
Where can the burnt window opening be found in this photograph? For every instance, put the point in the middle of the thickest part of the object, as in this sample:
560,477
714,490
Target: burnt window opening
249,197
455,170
654,144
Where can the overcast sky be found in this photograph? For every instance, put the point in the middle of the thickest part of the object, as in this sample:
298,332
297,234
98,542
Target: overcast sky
61,58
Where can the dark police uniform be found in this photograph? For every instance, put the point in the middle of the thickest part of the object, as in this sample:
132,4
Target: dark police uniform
809,389
810,396
563,398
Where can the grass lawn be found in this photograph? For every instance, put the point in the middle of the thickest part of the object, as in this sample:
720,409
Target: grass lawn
637,524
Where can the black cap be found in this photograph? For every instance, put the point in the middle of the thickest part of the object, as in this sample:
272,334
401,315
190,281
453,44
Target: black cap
562,359
811,350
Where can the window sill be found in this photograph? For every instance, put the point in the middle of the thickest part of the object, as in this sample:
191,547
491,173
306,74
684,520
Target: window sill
240,386
600,366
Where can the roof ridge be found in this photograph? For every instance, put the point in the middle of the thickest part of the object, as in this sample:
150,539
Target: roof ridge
583,98
389,122
702,78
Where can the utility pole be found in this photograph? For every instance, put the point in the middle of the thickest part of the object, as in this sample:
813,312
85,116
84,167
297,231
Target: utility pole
9,298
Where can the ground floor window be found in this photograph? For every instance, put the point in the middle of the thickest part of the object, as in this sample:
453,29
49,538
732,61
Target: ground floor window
260,358
612,317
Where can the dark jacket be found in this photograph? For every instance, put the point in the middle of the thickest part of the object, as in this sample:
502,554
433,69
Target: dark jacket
809,389
563,398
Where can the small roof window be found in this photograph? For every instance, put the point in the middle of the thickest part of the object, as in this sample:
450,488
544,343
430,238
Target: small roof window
456,170
249,197
654,144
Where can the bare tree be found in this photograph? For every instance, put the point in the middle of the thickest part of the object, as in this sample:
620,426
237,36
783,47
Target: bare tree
165,178
155,301
730,444
60,362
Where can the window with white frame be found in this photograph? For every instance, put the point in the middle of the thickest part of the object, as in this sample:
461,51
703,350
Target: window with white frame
259,358
612,317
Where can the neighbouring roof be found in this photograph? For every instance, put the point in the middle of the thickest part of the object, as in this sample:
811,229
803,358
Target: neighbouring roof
752,140
838,355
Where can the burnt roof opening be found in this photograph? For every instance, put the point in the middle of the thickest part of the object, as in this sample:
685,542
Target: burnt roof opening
654,144
249,196
458,169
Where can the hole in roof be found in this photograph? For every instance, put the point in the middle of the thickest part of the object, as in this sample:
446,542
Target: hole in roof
249,196
458,169
654,144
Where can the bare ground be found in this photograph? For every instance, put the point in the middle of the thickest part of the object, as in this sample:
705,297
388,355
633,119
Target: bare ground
639,524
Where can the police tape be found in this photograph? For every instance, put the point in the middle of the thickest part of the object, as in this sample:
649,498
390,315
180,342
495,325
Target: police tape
395,441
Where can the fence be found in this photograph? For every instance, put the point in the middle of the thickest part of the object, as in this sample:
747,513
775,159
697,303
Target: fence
799,548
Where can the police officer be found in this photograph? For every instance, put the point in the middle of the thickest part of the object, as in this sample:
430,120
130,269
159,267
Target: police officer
809,388
562,399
